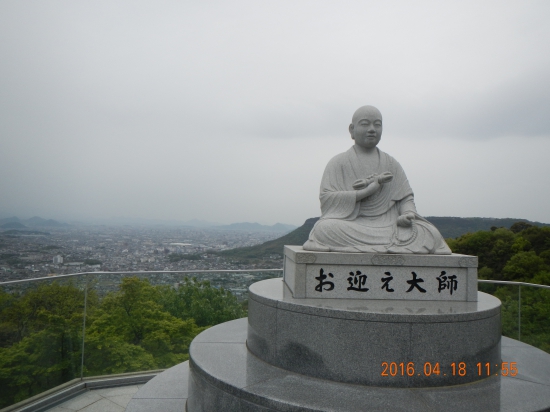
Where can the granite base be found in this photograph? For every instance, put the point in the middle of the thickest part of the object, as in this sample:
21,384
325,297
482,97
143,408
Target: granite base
224,375
379,343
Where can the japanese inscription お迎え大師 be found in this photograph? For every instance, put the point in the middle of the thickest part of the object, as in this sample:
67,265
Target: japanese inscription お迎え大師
414,282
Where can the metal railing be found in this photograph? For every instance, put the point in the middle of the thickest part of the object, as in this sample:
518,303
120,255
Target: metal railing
138,272
519,285
85,274
101,283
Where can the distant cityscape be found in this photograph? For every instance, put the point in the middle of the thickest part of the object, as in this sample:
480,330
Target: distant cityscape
58,249
45,248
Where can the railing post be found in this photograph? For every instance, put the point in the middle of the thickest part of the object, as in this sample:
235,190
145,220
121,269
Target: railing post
519,313
84,326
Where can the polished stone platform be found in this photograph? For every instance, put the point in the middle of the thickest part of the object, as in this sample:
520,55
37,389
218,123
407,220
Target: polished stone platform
230,378
348,340
167,392
99,400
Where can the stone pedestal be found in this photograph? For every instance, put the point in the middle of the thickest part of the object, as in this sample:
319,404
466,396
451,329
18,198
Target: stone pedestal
332,336
225,376
372,342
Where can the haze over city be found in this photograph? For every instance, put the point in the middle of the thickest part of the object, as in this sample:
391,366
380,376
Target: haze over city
229,111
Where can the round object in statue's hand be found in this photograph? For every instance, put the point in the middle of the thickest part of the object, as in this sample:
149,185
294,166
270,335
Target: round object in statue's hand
385,177
359,184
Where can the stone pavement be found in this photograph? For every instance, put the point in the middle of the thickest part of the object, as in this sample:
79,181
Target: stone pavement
99,400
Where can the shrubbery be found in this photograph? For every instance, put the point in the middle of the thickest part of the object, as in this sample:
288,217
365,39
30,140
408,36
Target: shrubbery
520,254
137,327
505,255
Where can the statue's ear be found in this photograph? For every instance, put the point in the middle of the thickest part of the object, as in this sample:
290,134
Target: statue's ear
351,130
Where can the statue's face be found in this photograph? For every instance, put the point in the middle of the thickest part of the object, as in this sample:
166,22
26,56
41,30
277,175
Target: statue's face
367,129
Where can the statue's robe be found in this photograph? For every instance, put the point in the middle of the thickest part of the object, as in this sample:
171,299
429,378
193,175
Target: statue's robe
370,225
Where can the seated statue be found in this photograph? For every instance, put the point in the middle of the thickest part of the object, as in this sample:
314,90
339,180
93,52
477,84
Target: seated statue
367,204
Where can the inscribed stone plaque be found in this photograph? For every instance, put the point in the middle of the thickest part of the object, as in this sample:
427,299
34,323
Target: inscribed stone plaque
333,275
386,282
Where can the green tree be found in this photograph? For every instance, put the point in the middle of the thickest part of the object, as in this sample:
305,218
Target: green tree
538,237
494,248
202,302
519,226
546,256
132,331
524,266
41,335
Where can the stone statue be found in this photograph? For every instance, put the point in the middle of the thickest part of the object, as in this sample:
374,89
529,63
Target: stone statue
367,204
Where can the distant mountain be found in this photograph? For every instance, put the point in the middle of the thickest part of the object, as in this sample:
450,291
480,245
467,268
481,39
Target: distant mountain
39,222
256,227
199,223
450,227
10,219
283,227
131,221
13,225
273,247
33,222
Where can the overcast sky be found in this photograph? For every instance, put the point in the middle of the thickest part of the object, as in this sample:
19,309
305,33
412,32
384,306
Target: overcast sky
228,111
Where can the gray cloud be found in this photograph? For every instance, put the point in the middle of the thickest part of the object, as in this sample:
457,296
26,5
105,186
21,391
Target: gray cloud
156,110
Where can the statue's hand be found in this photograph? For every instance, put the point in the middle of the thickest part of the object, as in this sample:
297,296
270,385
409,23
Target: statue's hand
385,177
360,184
405,220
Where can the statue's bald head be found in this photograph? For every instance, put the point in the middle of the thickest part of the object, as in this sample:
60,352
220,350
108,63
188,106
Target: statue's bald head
364,111
366,127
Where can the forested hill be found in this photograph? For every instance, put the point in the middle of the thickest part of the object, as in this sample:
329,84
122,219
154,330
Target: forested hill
274,247
450,227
